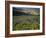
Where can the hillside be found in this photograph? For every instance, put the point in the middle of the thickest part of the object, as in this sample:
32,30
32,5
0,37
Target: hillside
26,22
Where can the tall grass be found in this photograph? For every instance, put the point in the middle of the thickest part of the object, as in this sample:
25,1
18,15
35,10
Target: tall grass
26,23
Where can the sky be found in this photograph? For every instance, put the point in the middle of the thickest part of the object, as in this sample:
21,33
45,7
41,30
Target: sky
24,8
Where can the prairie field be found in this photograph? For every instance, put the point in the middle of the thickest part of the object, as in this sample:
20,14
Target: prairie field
26,22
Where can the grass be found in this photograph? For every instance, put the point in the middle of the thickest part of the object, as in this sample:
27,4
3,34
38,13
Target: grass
26,23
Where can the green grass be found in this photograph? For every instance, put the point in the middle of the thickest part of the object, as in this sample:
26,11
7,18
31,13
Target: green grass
26,23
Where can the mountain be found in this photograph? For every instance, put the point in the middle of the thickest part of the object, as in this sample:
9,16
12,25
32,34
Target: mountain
26,12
